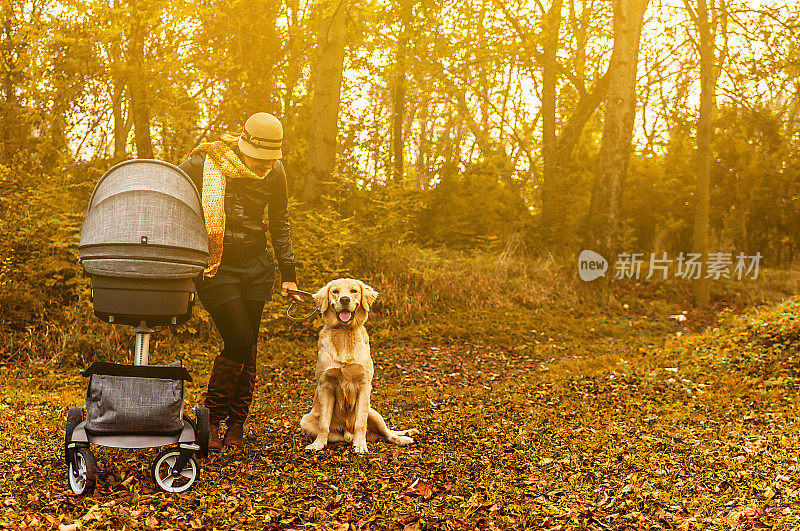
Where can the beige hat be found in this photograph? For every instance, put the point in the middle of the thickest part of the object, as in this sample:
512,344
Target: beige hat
262,137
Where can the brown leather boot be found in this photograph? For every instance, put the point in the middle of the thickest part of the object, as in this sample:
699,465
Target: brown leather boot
213,438
221,386
242,397
234,436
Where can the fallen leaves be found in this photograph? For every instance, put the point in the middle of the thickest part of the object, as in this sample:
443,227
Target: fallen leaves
604,442
422,488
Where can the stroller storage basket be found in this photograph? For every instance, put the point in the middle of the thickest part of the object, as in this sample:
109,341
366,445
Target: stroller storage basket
135,398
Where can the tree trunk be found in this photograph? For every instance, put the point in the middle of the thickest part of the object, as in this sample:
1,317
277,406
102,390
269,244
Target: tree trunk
422,149
121,125
552,176
701,288
406,12
12,127
295,63
137,92
325,106
620,112
573,128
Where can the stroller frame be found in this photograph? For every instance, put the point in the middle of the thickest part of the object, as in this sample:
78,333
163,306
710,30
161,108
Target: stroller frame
191,441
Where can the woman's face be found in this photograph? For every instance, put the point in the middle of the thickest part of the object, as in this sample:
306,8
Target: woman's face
259,166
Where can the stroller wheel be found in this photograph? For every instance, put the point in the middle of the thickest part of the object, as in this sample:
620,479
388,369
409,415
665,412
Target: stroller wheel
82,481
74,417
166,480
201,430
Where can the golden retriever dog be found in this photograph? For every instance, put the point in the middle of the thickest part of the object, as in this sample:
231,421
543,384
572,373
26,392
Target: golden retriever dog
341,409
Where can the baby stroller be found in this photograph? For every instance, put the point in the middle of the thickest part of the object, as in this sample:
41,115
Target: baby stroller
143,241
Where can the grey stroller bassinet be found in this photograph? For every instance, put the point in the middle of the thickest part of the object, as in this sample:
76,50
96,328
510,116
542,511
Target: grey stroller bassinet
143,241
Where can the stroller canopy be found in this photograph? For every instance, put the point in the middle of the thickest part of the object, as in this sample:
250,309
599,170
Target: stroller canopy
145,220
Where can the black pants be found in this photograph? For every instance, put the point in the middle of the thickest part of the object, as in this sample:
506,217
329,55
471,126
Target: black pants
235,299
237,322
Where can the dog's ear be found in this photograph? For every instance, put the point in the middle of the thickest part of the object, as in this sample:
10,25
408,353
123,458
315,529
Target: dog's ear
368,295
321,297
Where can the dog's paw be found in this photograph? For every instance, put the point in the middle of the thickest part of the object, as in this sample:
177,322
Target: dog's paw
316,446
360,447
348,437
402,440
410,432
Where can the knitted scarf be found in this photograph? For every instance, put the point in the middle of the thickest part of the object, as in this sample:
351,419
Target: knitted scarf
221,164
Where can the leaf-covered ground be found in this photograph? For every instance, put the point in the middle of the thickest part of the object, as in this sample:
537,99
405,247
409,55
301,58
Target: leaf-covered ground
585,420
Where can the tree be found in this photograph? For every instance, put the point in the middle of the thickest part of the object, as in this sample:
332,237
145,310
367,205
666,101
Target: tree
552,178
620,112
708,22
406,14
138,79
573,106
327,89
18,34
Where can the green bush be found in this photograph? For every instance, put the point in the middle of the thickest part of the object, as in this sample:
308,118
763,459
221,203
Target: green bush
473,210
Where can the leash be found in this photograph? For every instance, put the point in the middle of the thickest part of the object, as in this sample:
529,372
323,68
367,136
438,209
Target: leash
293,301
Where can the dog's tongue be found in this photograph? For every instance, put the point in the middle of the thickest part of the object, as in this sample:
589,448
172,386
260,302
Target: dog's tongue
344,316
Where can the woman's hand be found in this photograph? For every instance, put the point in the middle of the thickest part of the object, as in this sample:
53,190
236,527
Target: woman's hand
285,286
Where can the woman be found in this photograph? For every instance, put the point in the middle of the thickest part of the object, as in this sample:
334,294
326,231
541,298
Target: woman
239,177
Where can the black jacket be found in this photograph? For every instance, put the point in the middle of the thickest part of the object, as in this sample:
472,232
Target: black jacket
245,201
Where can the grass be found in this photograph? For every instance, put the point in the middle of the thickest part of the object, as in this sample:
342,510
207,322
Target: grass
580,416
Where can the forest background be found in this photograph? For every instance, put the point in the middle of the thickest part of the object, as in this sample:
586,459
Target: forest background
482,127
416,134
